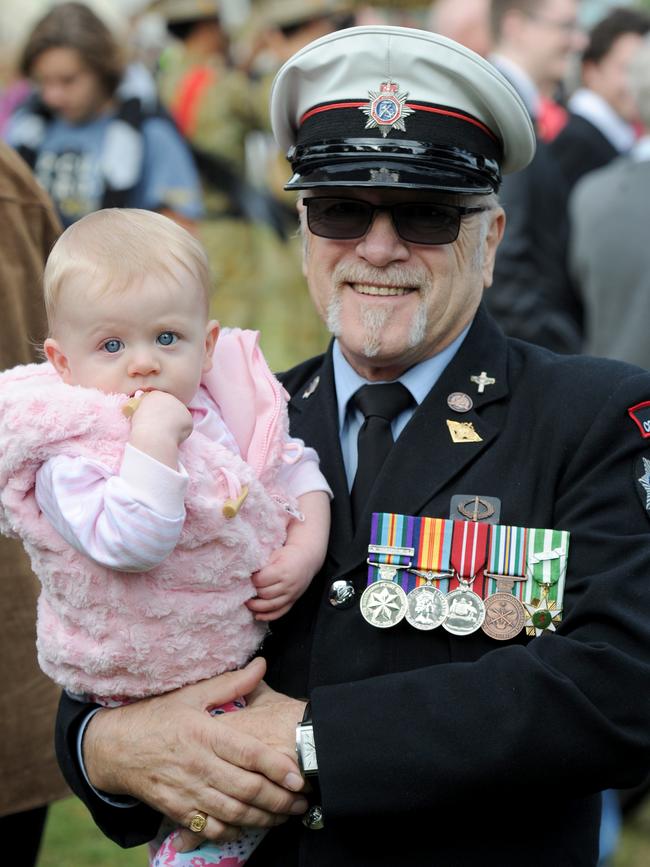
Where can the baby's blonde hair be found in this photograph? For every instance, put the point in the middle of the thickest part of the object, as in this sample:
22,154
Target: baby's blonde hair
115,248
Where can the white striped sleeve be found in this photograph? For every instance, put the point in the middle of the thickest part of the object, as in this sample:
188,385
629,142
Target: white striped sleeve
130,522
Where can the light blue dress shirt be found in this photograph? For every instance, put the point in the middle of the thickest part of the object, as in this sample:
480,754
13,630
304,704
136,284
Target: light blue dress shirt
419,380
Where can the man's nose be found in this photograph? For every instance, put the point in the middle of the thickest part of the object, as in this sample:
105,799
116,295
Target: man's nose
381,244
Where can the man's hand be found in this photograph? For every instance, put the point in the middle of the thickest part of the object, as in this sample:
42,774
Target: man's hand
169,752
270,717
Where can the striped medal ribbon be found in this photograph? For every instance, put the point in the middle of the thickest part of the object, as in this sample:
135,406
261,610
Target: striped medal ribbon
547,556
468,555
427,603
390,552
505,579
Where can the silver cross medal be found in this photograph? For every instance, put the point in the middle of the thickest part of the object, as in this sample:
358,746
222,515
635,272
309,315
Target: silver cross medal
482,381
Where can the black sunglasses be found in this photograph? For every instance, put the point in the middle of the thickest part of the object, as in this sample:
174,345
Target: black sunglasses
341,219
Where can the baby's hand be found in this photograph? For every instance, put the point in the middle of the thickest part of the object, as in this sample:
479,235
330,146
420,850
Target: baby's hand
283,580
159,425
158,411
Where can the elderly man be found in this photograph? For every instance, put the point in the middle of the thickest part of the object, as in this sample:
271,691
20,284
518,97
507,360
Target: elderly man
471,726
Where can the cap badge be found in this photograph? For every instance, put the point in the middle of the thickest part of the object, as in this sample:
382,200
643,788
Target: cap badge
387,108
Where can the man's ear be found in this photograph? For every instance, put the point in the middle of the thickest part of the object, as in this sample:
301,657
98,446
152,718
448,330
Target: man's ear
492,241
57,359
211,337
302,216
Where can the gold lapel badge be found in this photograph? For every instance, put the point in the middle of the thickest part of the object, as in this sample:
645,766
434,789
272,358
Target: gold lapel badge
463,432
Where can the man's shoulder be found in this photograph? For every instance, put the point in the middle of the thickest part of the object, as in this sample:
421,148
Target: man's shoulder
298,376
593,189
576,130
575,381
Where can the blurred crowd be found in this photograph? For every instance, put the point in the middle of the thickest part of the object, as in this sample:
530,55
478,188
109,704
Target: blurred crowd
164,106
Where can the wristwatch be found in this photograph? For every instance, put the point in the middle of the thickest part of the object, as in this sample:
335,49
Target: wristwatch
305,746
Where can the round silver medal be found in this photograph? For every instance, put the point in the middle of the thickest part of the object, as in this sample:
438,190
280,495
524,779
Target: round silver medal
504,616
427,607
383,604
466,612
459,401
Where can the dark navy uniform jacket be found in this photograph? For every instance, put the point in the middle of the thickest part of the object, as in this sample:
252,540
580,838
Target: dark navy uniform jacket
456,751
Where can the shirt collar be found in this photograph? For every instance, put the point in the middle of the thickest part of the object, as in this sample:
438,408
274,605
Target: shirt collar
599,112
419,379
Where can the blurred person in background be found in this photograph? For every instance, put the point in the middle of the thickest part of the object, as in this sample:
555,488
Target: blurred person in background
609,251
30,776
603,114
467,22
531,296
250,226
92,136
247,232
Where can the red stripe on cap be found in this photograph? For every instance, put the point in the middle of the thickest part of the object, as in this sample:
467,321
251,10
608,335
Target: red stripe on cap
416,107
318,109
413,105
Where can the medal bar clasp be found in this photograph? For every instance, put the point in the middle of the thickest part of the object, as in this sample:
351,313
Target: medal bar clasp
430,574
499,577
391,551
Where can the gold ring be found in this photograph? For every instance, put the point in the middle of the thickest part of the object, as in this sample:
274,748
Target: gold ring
198,822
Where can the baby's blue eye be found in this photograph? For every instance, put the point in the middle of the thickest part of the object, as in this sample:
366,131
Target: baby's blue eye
167,338
113,345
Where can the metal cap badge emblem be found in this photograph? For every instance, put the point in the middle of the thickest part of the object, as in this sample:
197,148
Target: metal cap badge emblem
387,108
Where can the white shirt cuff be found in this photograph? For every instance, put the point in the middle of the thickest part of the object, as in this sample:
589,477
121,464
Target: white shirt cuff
113,800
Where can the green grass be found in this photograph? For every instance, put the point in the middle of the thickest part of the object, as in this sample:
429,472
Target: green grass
72,840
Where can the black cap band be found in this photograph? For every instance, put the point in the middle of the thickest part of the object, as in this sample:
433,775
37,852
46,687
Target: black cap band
436,148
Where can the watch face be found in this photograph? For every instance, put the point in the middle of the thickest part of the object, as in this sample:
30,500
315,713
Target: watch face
308,750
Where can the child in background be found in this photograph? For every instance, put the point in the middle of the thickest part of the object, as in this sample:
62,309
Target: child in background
148,469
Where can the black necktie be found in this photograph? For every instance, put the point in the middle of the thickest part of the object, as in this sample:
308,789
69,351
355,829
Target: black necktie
379,405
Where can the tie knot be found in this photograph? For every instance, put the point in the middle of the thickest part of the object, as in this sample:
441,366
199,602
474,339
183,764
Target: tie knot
386,400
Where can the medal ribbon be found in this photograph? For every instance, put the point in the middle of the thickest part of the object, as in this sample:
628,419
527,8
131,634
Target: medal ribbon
432,543
547,559
395,531
507,556
468,553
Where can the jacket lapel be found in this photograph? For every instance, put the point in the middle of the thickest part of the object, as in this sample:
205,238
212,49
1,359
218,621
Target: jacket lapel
314,418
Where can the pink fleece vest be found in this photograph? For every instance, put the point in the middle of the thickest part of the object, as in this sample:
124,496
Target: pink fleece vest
112,633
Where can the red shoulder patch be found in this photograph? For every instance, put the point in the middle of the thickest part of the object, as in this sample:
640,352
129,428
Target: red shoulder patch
640,415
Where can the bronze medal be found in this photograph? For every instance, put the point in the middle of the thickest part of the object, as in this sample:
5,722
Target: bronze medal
504,616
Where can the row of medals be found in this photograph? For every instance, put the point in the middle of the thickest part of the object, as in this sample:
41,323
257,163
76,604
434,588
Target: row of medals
384,604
